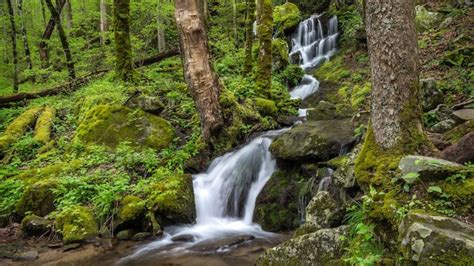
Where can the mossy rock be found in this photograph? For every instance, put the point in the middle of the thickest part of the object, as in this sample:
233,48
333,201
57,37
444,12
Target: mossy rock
266,107
172,198
37,198
109,125
455,134
33,225
18,127
44,125
130,208
425,19
280,57
76,224
462,195
286,17
333,70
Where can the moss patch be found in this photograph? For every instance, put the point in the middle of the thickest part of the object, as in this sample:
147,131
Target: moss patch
131,208
18,127
44,125
37,198
265,107
286,17
76,224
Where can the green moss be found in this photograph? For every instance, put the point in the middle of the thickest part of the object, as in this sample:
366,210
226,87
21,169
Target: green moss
286,17
280,55
385,210
76,224
172,197
461,195
339,161
359,94
131,208
18,127
458,132
333,70
109,125
227,99
44,125
49,172
265,107
37,198
264,32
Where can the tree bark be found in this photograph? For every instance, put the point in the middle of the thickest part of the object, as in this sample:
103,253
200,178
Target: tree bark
123,45
104,26
234,23
161,41
68,14
63,38
199,73
25,37
392,44
249,36
4,39
43,12
264,33
43,45
11,15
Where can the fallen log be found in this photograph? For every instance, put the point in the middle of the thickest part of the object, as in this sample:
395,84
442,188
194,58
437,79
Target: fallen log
72,85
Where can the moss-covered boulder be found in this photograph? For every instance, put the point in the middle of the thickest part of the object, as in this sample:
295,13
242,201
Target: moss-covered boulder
323,247
131,207
425,19
44,125
323,211
76,224
37,198
324,111
426,168
286,17
280,58
265,107
18,127
317,140
33,225
109,125
172,199
429,240
149,104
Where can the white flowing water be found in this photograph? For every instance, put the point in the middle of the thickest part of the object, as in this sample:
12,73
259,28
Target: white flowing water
226,194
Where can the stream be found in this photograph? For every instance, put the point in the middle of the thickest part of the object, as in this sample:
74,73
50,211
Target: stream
225,195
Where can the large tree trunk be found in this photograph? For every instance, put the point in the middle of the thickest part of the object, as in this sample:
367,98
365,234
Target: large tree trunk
23,33
234,23
161,41
43,12
249,36
123,45
43,45
104,26
68,14
199,74
62,36
11,14
395,125
4,39
264,33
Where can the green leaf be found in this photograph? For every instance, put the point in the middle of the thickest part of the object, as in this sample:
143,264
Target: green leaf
436,189
411,178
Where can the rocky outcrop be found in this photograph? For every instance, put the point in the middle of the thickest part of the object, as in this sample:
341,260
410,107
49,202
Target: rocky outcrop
319,248
462,151
316,140
323,211
429,240
427,167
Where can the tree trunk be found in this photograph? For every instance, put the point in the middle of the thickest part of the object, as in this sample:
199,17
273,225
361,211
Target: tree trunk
123,45
4,39
395,128
13,37
62,36
234,24
43,12
199,74
25,37
161,41
104,26
43,45
68,14
249,36
264,33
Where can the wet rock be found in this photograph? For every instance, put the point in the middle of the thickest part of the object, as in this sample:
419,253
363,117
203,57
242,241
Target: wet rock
428,239
152,105
438,141
183,238
33,225
316,140
289,120
425,19
324,111
141,236
443,126
431,96
71,246
55,245
461,152
26,256
319,248
221,243
427,167
464,114
323,211
126,234
107,243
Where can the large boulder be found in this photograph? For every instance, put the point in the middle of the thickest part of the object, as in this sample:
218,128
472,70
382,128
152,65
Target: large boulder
316,140
324,111
33,225
286,17
323,247
462,151
429,240
76,224
426,167
37,198
109,125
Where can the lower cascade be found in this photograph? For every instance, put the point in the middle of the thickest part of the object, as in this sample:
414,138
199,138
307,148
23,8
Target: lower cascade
226,194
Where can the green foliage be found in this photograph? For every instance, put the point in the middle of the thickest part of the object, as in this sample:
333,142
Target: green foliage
10,192
285,17
350,19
